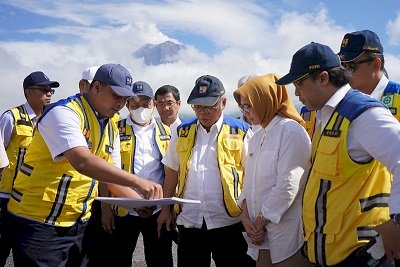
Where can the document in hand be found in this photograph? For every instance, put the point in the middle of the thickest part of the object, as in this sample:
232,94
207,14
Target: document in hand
132,203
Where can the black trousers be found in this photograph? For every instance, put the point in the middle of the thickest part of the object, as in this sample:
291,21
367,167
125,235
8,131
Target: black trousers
226,245
158,251
5,244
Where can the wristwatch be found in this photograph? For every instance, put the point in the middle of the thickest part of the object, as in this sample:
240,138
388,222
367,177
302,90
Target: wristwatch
396,218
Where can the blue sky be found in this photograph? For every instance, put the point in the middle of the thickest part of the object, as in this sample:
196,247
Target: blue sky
228,39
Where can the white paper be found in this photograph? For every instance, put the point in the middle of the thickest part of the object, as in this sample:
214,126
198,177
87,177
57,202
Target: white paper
131,203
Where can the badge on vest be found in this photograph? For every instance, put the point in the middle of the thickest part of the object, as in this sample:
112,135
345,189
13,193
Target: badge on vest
109,149
184,132
332,133
124,137
387,100
90,145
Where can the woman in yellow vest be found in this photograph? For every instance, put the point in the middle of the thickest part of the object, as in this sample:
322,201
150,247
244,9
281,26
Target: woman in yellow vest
275,173
52,195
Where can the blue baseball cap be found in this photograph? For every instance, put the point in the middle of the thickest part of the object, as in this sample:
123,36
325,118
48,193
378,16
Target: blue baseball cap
356,43
117,76
206,91
309,59
142,88
38,78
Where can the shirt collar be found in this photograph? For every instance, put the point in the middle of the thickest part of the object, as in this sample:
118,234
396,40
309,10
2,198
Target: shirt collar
29,110
217,125
380,88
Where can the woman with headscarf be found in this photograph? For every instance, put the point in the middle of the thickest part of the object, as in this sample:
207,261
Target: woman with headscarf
276,168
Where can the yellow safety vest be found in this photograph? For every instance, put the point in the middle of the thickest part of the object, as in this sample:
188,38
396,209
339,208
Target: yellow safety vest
16,149
128,144
54,192
343,199
309,117
229,155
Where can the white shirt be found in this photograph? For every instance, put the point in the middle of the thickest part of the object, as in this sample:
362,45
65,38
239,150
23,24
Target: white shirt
373,134
203,180
7,123
61,130
277,166
380,88
3,156
175,124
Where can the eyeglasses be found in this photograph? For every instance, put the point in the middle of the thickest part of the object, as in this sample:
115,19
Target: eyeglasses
168,104
352,66
208,109
44,90
244,108
300,81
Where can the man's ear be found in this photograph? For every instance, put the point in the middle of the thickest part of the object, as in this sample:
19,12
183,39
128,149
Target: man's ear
323,78
377,64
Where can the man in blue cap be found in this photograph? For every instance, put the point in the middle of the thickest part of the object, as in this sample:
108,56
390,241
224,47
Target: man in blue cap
349,202
75,144
16,127
204,161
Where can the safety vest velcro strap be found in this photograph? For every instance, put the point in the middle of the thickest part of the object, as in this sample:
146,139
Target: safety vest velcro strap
16,195
26,169
379,200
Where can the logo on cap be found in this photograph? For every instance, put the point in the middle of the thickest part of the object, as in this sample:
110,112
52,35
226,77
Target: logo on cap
314,67
128,81
203,89
139,88
345,42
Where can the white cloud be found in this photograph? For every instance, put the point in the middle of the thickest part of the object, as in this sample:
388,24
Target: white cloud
393,30
250,37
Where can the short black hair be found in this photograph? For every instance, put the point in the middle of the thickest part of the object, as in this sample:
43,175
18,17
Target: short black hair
338,76
165,89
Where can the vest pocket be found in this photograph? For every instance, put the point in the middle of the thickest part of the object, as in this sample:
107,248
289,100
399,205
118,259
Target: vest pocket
232,150
327,157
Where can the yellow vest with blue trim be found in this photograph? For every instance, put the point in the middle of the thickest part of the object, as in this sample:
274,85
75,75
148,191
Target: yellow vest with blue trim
343,199
16,149
54,192
390,97
229,155
162,135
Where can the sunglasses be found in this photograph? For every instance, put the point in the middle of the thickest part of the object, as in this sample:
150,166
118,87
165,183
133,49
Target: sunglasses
352,66
44,90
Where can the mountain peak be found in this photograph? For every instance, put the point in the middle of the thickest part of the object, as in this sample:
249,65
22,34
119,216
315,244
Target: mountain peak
156,54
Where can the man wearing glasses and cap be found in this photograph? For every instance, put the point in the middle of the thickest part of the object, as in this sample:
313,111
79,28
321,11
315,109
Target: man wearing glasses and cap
350,201
361,53
16,127
205,161
75,144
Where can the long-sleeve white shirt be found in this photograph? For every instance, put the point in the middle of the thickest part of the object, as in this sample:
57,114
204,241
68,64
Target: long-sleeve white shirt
276,171
373,134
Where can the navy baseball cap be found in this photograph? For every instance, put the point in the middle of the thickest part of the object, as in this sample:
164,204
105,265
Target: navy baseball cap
311,58
142,88
356,43
38,78
117,76
206,91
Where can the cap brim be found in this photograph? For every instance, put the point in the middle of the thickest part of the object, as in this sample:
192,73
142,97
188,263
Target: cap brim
349,56
122,91
149,96
204,101
289,78
53,84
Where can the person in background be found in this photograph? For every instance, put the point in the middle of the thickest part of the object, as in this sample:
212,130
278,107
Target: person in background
204,161
75,143
361,53
143,144
242,81
168,102
17,127
350,201
87,78
3,158
276,171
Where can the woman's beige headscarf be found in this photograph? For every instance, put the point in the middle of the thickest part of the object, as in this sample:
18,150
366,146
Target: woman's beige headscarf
268,99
